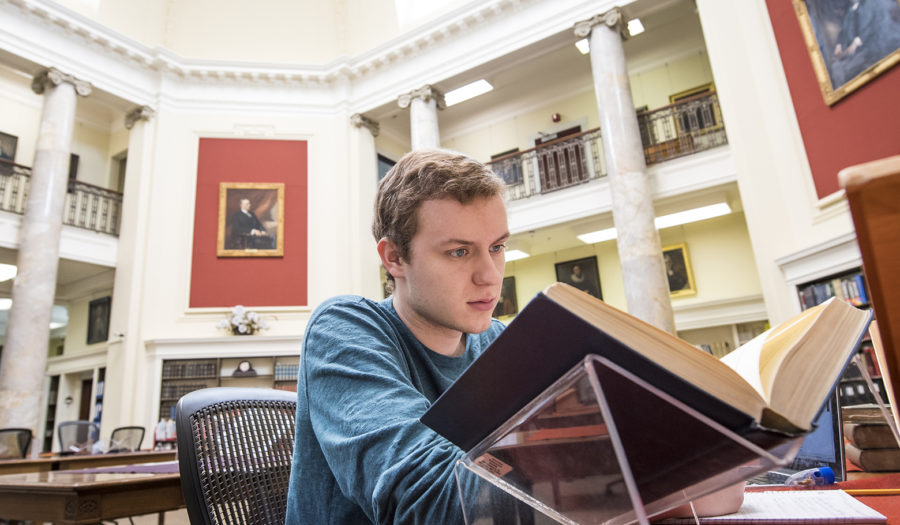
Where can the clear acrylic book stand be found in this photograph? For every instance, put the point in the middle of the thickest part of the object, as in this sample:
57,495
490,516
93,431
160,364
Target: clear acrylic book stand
603,446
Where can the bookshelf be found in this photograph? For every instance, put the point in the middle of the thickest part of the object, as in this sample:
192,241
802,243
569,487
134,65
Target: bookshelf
50,424
847,286
181,376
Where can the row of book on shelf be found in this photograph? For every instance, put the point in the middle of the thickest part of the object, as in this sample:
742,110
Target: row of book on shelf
286,371
850,288
175,369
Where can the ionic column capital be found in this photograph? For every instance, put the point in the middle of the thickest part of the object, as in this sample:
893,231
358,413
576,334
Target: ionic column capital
612,19
426,93
361,121
138,113
56,77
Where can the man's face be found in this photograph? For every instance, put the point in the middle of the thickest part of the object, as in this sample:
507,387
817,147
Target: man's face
245,204
451,282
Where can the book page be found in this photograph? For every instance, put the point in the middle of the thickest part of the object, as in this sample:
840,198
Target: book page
745,361
794,506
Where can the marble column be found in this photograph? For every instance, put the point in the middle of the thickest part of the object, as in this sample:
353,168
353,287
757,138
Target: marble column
640,253
28,331
124,375
423,104
364,171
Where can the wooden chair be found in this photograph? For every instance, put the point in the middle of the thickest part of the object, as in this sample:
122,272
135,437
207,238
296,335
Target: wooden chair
235,447
873,192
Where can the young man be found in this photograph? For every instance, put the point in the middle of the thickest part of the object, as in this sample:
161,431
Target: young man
370,369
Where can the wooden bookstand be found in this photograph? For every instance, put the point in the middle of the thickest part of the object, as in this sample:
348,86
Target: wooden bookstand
602,446
873,192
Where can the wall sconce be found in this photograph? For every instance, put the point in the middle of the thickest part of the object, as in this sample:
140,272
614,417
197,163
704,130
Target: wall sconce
68,400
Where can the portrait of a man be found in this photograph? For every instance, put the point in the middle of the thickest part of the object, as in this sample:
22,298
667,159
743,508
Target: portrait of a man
582,274
250,219
851,41
678,270
98,320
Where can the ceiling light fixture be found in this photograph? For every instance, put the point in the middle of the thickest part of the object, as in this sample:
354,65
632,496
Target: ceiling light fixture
635,27
7,272
515,255
665,221
479,87
583,45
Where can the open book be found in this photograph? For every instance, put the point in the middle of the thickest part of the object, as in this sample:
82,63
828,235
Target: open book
778,381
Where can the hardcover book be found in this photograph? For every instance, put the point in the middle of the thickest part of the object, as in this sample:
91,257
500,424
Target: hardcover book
776,382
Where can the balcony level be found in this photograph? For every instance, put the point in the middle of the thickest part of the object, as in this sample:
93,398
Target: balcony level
91,217
565,178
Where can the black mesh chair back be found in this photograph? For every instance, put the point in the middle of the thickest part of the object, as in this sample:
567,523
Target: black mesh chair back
77,437
14,442
126,439
235,447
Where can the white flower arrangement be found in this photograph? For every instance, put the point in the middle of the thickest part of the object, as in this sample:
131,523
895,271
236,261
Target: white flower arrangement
243,322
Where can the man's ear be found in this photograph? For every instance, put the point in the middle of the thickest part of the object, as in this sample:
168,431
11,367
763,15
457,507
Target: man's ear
390,257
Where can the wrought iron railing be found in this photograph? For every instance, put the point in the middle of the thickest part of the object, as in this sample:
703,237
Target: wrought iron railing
86,206
689,126
685,127
561,163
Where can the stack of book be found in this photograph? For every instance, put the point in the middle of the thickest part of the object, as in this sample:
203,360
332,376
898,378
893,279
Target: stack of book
870,443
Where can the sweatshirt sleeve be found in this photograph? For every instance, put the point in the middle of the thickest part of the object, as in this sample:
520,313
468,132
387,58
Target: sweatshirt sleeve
364,408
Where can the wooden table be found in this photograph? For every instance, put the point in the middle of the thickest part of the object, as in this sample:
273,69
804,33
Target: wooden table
78,498
17,466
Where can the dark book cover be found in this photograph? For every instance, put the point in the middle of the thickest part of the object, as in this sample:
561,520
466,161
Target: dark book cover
540,345
874,459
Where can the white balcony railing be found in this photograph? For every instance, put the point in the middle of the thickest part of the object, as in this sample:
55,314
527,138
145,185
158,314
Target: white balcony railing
86,206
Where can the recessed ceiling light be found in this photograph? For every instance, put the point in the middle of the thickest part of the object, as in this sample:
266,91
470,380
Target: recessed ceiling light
479,87
665,221
515,255
7,272
583,45
635,27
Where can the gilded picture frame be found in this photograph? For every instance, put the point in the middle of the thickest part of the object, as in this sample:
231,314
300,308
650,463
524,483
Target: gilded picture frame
678,270
849,42
251,219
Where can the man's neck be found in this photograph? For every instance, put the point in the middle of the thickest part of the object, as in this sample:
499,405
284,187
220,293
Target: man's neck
444,341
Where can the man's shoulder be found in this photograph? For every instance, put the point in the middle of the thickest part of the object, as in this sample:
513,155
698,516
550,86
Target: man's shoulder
350,309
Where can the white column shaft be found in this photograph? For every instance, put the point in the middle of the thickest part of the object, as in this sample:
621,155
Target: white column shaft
25,352
423,124
640,254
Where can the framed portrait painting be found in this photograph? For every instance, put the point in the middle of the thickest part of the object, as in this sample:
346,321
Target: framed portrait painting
251,219
678,270
507,305
582,274
98,320
850,42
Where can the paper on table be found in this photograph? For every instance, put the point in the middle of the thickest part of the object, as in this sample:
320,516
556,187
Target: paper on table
793,506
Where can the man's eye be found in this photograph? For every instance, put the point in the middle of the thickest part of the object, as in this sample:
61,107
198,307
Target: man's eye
497,248
459,252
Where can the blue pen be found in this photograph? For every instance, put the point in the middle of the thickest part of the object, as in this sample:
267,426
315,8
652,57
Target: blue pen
812,477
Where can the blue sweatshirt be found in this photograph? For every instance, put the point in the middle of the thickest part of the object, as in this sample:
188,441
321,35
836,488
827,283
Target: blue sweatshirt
361,455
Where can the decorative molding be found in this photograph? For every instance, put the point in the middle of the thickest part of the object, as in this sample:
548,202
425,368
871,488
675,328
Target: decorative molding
821,260
691,316
136,114
56,77
426,93
360,120
612,19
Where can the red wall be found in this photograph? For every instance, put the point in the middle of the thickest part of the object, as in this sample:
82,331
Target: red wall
251,281
863,126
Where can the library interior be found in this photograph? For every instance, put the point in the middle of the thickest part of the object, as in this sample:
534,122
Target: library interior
183,184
